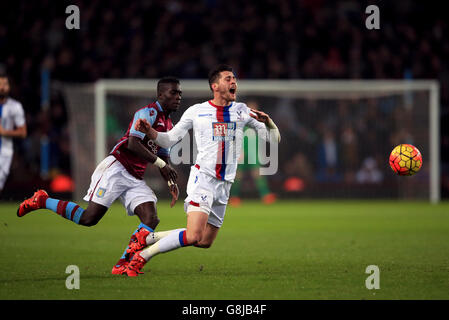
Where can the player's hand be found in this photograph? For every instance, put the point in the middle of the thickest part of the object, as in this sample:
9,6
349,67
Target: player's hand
174,191
142,125
168,173
259,115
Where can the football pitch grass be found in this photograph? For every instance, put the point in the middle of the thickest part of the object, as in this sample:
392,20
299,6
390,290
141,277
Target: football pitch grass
291,250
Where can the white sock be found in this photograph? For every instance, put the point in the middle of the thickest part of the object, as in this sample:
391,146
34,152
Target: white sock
154,237
173,240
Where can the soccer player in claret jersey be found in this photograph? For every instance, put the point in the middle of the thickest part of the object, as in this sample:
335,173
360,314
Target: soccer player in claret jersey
218,129
120,175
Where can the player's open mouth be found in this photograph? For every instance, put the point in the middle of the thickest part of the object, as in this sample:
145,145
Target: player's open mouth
232,90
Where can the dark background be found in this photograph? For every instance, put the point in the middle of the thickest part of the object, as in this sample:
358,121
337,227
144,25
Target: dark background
282,39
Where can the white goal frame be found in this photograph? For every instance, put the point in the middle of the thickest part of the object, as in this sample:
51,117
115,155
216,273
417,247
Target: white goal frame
287,88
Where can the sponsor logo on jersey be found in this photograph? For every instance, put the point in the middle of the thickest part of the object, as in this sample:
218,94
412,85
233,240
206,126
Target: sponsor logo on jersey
205,115
223,131
152,146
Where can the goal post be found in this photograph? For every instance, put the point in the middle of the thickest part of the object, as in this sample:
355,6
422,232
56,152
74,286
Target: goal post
318,98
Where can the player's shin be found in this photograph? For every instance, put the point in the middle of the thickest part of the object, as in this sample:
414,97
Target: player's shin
171,241
138,240
66,209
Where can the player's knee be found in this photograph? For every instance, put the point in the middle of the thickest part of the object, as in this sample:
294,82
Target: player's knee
88,220
151,221
204,245
193,238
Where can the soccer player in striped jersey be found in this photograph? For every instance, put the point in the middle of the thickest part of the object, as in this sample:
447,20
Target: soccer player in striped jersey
12,125
218,130
120,174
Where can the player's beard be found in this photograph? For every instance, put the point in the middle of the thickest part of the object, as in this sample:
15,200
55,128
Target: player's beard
3,95
232,97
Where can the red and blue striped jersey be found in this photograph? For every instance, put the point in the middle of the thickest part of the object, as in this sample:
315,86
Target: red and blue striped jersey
218,134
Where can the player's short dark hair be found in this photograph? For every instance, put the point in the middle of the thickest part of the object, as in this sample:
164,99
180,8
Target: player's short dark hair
166,80
214,74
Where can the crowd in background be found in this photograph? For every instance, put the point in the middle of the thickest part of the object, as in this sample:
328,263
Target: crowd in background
271,39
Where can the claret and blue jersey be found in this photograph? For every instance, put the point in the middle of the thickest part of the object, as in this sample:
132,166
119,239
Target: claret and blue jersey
135,165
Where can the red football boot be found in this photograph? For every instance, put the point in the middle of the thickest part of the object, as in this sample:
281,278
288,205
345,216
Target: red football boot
120,267
135,266
136,243
37,201
139,243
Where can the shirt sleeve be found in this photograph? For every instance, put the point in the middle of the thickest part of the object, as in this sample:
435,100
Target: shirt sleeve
260,127
19,116
163,152
168,139
148,114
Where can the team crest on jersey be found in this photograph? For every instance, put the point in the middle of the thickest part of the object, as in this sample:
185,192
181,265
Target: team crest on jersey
101,192
239,115
223,131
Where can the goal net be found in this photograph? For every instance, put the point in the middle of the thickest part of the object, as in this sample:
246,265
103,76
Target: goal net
336,134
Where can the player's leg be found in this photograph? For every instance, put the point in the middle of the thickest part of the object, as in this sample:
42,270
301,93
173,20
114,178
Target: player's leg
148,216
197,206
215,217
66,209
209,236
103,191
196,224
202,229
145,234
141,201
5,165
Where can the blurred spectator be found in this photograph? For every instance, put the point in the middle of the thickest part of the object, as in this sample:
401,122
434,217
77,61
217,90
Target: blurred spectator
328,158
369,173
265,39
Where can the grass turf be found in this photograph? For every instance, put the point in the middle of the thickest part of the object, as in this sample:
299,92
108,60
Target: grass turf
289,250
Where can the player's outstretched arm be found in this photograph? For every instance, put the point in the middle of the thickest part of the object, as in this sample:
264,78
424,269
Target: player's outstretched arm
163,139
269,123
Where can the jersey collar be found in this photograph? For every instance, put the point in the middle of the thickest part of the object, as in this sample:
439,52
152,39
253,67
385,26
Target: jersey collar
219,107
159,106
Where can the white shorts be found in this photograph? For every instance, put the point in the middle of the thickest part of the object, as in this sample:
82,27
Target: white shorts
209,194
111,180
5,165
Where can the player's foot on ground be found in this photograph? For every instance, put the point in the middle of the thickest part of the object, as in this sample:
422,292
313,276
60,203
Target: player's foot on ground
120,266
135,266
37,201
235,201
137,243
269,198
